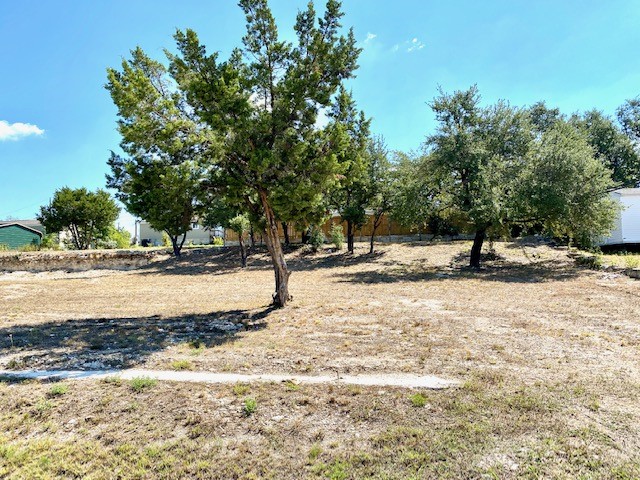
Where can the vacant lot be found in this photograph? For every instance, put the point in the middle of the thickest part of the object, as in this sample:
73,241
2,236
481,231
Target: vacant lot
547,353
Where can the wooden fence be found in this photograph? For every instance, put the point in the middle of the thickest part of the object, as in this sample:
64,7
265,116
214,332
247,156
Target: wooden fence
387,228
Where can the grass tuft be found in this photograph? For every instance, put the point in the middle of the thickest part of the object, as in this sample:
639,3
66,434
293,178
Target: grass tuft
139,384
58,390
181,365
418,400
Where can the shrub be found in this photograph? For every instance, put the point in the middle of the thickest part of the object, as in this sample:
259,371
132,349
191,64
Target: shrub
50,242
112,380
58,390
218,241
240,389
4,247
418,400
314,452
32,247
181,365
106,244
250,406
594,262
336,234
120,236
632,261
316,238
139,384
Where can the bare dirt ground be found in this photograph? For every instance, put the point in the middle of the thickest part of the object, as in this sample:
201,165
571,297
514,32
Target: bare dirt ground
547,353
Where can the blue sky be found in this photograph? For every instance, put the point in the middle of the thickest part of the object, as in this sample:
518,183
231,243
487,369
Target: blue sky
57,122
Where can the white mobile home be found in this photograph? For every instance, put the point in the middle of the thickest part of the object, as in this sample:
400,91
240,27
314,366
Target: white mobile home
627,227
198,235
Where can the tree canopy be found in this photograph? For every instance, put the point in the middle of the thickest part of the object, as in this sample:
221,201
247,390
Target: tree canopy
160,178
262,106
351,194
87,216
498,166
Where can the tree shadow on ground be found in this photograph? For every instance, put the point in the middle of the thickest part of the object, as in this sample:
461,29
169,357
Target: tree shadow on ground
384,269
496,270
105,343
225,260
11,380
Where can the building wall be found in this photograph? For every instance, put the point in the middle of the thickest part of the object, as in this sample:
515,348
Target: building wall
198,236
15,236
630,216
627,225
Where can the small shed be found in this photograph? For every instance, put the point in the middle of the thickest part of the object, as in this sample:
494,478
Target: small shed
627,226
16,235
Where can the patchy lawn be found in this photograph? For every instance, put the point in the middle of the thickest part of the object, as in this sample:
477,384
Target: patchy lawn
547,351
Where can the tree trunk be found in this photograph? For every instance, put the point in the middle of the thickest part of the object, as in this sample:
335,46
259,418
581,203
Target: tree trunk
177,247
350,235
243,252
285,229
252,236
376,224
272,239
478,240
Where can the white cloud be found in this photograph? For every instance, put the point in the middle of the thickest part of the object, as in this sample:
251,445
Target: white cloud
15,131
414,45
370,36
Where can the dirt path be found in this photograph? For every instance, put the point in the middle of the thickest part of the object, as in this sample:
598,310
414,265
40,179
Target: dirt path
381,380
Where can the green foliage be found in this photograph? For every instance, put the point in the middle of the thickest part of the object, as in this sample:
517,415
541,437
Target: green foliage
240,224
58,390
31,247
380,180
632,261
86,215
350,133
611,147
542,117
112,380
629,118
475,156
594,262
316,238
139,384
181,365
565,188
249,407
160,179
166,239
50,242
240,389
493,167
218,241
4,247
261,106
418,400
336,236
314,452
120,236
115,238
413,192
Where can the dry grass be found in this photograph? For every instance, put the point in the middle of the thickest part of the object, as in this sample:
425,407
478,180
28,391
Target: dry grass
548,353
